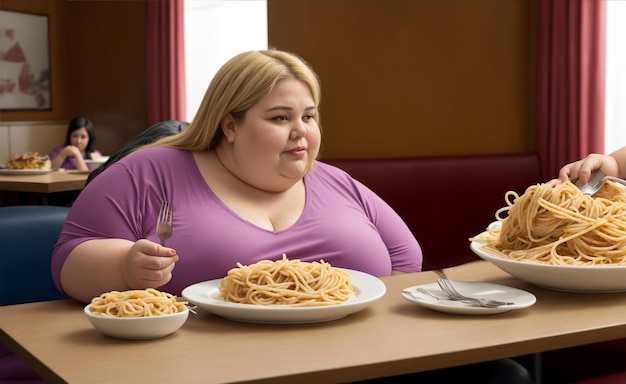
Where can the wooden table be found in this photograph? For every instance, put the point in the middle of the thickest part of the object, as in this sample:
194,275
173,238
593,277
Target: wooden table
56,181
391,337
45,184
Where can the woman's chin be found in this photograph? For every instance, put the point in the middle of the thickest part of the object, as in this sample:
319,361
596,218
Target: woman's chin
296,171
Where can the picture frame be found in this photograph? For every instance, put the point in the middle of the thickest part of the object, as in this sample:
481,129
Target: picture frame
25,82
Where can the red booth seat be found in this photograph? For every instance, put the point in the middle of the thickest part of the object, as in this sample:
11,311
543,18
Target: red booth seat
445,200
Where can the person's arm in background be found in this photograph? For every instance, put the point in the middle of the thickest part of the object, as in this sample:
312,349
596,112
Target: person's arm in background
58,159
579,171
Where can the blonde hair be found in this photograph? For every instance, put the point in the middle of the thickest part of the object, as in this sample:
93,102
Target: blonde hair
237,86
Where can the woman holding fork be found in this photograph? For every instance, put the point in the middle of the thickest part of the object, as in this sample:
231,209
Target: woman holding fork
245,185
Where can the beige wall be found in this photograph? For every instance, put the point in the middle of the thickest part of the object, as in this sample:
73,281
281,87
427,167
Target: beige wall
399,77
29,136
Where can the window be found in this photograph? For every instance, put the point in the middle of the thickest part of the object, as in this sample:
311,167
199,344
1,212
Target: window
215,31
615,113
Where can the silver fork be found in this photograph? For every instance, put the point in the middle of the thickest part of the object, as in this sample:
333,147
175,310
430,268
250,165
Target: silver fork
164,222
446,286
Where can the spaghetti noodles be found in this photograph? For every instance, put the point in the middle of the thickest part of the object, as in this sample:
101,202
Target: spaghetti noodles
555,223
287,282
136,303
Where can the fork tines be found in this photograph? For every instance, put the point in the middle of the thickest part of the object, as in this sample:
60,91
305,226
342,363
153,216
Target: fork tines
164,222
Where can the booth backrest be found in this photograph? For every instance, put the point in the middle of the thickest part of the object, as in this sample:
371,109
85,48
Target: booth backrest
445,200
27,235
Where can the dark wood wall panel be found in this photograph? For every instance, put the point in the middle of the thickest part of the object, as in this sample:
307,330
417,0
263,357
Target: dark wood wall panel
109,67
412,78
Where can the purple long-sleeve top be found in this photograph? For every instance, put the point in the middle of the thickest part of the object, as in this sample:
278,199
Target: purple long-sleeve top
343,222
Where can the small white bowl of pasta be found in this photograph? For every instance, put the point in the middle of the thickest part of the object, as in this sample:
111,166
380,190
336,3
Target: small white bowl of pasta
137,314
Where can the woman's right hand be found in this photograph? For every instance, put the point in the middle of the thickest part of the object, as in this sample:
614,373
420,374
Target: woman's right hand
71,151
148,265
579,172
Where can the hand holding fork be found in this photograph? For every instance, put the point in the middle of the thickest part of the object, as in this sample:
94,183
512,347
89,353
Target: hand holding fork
164,229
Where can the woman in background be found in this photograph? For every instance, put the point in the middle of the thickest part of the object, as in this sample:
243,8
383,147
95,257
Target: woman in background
80,145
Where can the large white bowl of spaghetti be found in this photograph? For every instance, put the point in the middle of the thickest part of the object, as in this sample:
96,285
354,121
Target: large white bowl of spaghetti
555,237
136,314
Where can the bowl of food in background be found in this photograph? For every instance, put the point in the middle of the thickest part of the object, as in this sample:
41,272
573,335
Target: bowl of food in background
94,164
137,314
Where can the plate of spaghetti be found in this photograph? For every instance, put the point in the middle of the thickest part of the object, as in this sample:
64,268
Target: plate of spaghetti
137,314
555,237
286,292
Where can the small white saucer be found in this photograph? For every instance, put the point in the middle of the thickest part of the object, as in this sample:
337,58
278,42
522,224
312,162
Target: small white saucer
519,298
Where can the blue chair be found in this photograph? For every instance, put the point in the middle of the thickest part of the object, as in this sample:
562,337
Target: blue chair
28,234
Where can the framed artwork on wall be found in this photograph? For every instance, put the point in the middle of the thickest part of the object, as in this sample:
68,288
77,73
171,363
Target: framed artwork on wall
24,61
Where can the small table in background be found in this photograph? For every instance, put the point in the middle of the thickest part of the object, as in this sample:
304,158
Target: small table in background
41,187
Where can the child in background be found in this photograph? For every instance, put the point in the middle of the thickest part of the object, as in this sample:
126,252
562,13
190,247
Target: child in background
80,145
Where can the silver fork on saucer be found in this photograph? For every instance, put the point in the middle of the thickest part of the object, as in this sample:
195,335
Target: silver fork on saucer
446,286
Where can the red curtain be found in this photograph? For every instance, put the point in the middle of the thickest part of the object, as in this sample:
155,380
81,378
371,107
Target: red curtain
165,60
570,81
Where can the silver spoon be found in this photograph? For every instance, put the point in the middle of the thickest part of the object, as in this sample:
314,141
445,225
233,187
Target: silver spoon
595,182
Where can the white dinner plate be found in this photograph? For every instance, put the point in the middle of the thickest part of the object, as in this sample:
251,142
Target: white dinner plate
24,171
206,296
519,298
